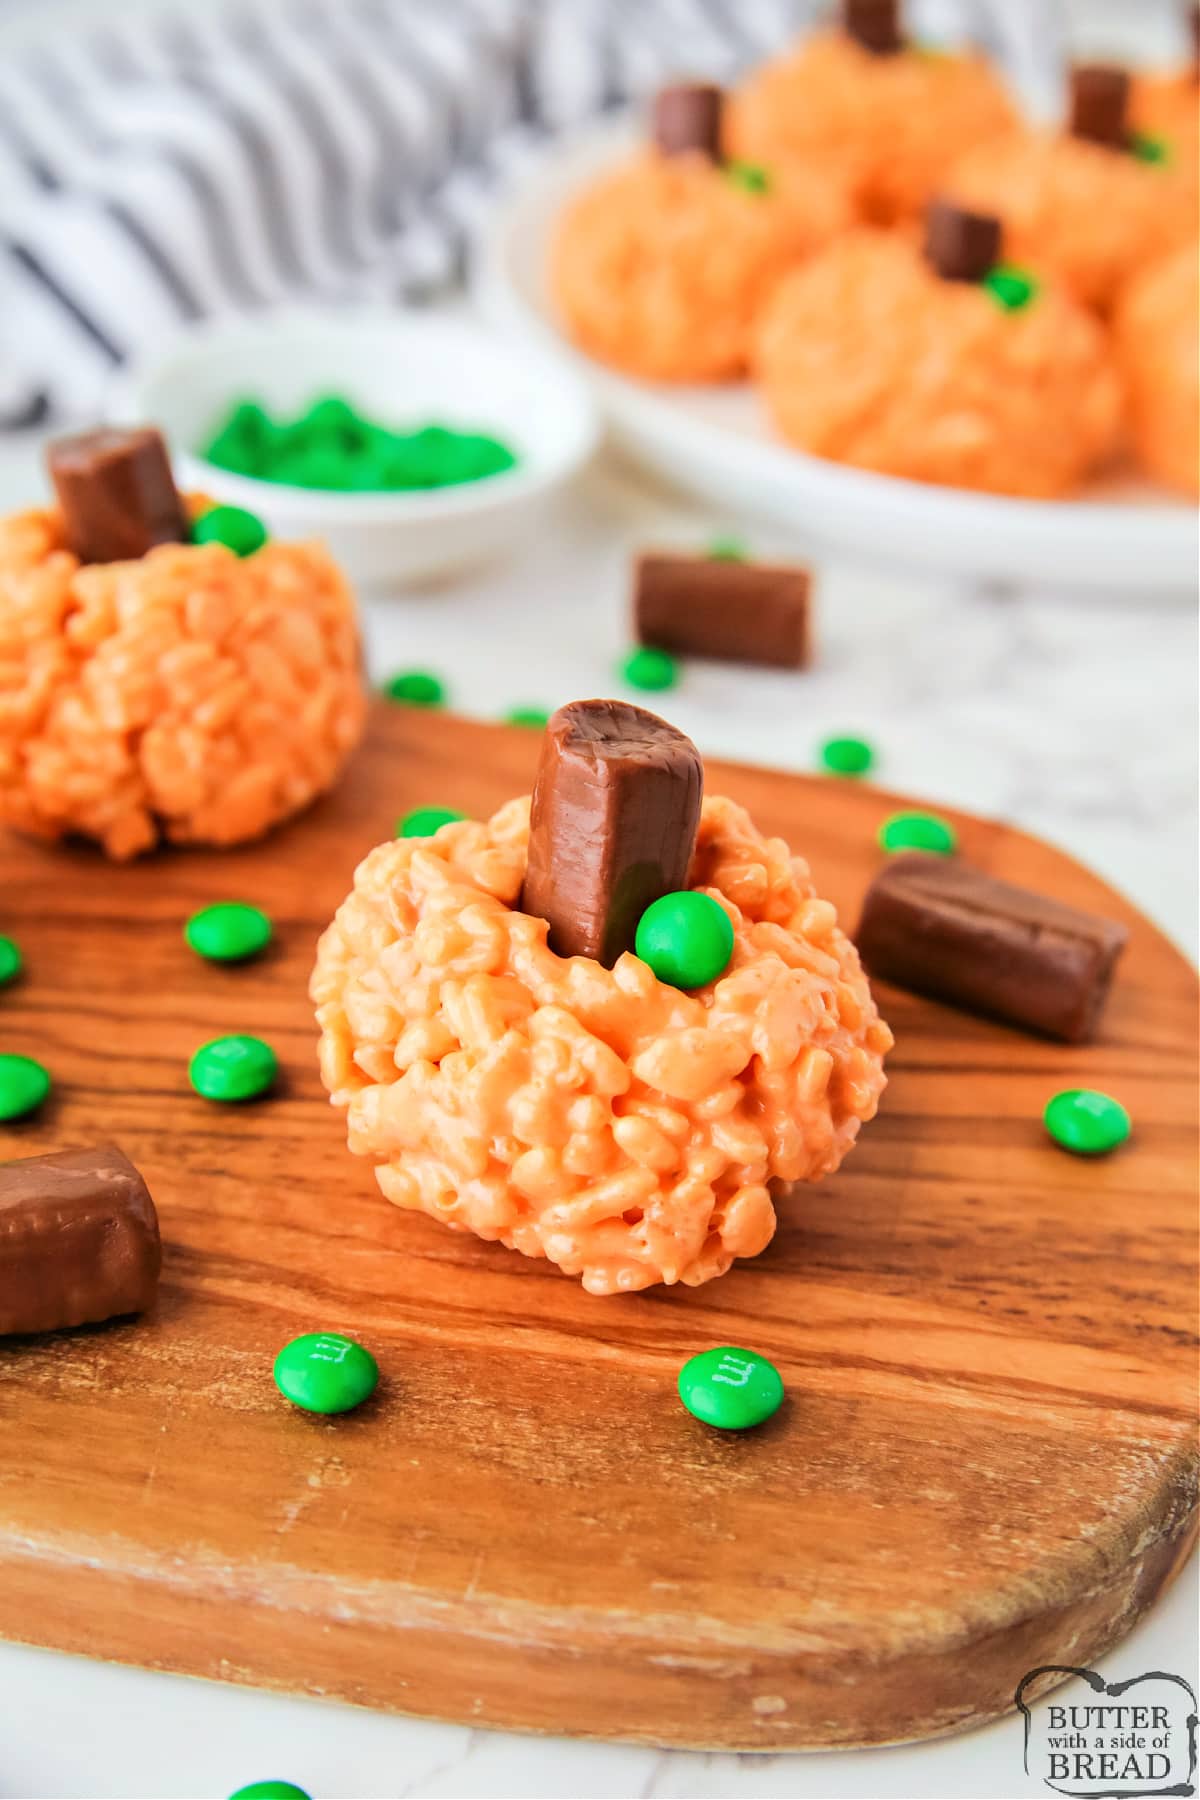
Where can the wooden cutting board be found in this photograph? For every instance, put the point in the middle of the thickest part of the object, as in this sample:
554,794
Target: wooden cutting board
985,1462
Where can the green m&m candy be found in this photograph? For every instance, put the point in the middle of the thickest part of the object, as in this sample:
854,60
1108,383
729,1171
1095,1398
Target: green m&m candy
650,669
535,717
686,938
270,1790
335,448
730,1388
1086,1122
847,755
751,177
245,440
326,468
333,417
10,961
727,549
423,821
1150,149
918,831
24,1084
324,1372
415,687
228,931
1010,287
233,1068
239,530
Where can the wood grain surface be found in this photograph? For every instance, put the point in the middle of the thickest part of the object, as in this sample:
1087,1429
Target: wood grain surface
985,1462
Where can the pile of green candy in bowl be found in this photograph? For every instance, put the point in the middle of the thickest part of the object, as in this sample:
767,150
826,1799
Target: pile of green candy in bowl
335,447
413,446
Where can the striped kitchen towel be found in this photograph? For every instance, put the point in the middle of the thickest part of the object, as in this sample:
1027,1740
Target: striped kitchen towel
173,163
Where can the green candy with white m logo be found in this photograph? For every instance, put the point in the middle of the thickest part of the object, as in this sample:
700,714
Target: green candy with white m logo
730,1388
324,1372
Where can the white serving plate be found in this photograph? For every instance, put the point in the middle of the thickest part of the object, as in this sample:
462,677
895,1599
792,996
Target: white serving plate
715,442
399,367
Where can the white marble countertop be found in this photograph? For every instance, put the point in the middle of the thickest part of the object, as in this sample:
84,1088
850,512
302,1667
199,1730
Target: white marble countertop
1071,718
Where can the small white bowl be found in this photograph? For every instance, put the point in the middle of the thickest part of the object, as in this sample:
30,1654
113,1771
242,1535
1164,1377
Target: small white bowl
402,369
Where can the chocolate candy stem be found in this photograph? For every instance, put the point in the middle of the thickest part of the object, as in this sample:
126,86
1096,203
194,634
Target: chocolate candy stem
1099,109
875,24
731,611
960,245
117,494
616,805
936,926
78,1240
688,117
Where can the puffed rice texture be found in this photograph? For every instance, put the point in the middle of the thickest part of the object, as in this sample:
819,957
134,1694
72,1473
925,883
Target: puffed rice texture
1088,216
629,1132
1157,334
662,265
895,122
191,696
866,357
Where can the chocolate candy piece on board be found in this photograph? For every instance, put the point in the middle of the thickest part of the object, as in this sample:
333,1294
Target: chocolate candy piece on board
688,117
116,492
78,1240
732,611
938,927
875,24
1100,104
616,805
960,245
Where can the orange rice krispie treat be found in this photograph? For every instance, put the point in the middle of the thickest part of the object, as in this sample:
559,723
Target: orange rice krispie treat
661,266
1086,205
584,1107
1165,110
1165,104
185,692
896,116
1157,332
867,356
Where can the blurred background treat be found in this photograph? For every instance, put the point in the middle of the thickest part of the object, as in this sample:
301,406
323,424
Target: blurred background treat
160,162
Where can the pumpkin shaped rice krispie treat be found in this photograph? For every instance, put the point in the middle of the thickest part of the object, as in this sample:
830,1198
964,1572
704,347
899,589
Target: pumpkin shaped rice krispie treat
1164,107
1091,205
607,1028
892,114
978,377
166,673
661,266
1157,333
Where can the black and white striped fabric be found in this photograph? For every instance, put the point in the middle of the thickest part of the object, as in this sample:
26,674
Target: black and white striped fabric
181,162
